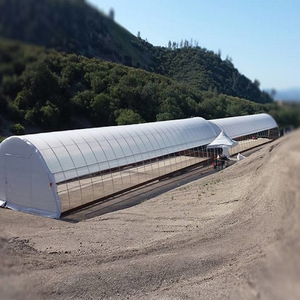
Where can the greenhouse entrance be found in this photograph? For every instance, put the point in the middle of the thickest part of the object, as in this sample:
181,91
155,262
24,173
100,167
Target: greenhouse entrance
16,164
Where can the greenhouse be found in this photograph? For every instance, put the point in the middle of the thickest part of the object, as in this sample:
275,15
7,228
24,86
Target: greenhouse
250,130
57,172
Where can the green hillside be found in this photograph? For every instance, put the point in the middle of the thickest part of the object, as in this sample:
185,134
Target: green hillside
205,70
100,74
51,89
75,27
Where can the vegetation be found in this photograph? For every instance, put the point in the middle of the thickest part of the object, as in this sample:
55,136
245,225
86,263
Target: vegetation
17,129
50,90
206,70
75,27
101,75
71,26
287,115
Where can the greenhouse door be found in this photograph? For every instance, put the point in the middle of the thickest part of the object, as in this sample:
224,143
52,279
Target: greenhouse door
18,187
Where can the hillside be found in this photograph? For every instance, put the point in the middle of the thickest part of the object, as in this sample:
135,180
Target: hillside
75,27
205,70
53,90
232,235
71,26
100,74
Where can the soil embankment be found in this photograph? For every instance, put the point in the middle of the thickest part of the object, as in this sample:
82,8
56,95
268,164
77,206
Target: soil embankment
231,235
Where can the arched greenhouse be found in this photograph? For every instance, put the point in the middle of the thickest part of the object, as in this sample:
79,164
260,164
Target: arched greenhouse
55,172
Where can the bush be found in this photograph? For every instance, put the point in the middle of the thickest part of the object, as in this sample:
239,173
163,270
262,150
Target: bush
49,116
127,116
17,129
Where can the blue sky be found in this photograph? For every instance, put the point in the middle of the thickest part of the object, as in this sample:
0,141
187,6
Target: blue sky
261,36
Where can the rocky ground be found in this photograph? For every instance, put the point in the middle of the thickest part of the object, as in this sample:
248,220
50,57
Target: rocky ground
231,235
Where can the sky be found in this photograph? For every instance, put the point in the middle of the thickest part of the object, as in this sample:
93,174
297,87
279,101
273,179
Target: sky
261,36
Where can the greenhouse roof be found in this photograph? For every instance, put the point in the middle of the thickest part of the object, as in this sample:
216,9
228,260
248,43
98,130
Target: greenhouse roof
74,153
244,125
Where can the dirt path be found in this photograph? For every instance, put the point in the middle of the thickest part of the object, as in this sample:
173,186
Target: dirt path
232,235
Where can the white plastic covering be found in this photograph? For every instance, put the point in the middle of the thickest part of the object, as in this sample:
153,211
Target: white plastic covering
26,183
74,153
33,168
32,165
222,140
240,157
243,125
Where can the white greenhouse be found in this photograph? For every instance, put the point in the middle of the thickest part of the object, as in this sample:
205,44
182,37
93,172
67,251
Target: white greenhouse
237,127
250,130
55,172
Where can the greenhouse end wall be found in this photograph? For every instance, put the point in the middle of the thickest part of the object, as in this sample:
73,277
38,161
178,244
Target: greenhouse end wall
26,184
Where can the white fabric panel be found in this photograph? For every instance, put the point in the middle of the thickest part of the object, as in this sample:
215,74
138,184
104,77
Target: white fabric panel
89,156
222,140
15,146
69,154
52,160
149,141
240,126
18,184
63,157
83,171
28,185
44,195
59,177
97,151
225,152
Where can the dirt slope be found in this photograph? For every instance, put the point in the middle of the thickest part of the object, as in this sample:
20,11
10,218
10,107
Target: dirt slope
232,235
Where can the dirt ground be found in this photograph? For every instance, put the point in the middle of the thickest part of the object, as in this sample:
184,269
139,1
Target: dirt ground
231,235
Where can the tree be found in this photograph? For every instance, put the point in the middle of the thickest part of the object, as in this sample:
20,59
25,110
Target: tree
81,101
50,116
111,14
23,99
128,116
32,116
41,84
17,129
100,110
256,83
169,110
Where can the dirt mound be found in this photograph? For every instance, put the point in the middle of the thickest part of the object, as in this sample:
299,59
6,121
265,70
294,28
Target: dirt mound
232,235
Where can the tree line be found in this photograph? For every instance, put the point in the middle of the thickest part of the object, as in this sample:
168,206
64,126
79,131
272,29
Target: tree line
53,90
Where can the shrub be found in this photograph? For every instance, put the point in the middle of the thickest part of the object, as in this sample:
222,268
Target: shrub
17,129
